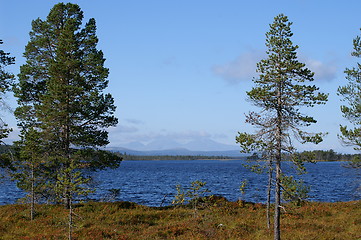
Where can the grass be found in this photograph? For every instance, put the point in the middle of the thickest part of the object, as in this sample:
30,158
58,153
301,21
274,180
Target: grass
220,219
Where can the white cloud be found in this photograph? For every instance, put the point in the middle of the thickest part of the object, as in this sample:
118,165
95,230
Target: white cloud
192,140
188,135
120,135
242,68
181,136
120,129
134,121
323,71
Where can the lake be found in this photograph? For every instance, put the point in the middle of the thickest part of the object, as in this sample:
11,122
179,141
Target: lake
153,182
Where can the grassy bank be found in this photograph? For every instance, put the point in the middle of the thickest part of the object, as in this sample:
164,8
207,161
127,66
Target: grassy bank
219,220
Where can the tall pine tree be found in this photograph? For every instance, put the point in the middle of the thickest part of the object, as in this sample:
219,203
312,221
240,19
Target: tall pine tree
351,94
61,96
280,92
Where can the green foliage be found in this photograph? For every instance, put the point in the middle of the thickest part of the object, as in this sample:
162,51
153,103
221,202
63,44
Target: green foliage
192,194
6,79
30,170
351,94
61,96
355,162
5,60
243,186
196,191
294,190
180,197
6,157
321,155
112,194
249,143
71,183
255,167
280,92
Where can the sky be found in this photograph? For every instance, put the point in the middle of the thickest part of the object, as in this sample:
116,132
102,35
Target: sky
179,70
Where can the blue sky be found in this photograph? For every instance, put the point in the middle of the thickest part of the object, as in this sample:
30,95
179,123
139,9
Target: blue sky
179,70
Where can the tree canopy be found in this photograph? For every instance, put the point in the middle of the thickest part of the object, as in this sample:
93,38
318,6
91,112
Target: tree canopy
61,96
351,94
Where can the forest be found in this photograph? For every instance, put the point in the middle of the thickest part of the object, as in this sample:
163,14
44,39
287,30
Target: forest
315,155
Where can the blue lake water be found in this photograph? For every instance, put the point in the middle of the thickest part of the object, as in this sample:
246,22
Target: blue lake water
153,182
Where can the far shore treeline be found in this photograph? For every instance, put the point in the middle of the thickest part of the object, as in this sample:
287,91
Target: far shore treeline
315,155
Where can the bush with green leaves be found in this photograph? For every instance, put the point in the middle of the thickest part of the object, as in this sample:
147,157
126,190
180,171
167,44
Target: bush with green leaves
191,194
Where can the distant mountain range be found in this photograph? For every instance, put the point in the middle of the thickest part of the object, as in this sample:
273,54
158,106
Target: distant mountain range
164,143
203,147
177,152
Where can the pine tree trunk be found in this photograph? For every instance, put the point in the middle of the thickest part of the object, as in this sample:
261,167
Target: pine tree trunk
67,199
32,201
277,232
277,216
68,192
269,194
70,220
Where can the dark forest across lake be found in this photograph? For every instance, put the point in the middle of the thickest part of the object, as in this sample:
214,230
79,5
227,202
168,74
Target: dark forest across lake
153,182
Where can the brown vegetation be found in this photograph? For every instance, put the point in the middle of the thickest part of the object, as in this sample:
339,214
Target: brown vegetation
218,219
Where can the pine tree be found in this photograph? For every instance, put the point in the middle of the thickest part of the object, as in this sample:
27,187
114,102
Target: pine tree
61,96
280,93
30,168
351,94
6,79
